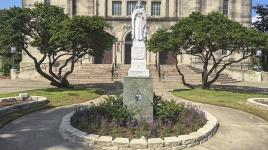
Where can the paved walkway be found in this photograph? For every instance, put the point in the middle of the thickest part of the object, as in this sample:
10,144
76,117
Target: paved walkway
7,85
39,131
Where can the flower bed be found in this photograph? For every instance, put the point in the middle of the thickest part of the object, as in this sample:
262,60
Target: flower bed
175,126
259,102
21,102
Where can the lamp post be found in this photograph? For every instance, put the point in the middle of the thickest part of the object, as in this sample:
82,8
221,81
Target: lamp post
13,52
13,71
259,55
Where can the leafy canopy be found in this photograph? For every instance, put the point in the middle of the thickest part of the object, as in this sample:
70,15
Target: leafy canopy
58,38
205,36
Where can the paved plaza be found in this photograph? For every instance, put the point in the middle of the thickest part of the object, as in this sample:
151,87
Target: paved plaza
238,130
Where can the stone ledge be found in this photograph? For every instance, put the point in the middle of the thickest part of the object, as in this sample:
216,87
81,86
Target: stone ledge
37,101
254,101
121,142
107,143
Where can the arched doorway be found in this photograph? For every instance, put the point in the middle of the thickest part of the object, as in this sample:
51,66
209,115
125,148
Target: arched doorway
128,45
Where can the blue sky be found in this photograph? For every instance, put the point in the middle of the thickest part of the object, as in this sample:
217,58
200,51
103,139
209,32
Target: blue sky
11,3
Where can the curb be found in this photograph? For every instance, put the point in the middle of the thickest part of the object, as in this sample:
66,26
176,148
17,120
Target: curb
116,143
254,101
37,101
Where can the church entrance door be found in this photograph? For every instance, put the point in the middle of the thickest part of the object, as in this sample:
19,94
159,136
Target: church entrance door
128,45
106,58
166,58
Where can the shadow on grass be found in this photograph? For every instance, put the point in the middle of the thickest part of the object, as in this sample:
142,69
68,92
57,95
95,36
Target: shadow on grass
231,88
182,90
240,89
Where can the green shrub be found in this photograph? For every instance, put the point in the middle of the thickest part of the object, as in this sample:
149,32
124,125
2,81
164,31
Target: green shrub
167,110
114,108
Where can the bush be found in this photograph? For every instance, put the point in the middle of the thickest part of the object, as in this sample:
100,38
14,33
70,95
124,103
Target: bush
167,110
112,118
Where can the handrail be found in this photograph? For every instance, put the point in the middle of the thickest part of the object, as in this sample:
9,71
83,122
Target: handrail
159,71
113,71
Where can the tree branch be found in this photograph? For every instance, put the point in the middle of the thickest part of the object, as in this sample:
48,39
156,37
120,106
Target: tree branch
181,74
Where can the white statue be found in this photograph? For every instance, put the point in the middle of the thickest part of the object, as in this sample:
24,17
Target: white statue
139,29
138,51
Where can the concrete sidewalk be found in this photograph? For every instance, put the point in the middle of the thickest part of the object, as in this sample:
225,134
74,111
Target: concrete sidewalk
7,85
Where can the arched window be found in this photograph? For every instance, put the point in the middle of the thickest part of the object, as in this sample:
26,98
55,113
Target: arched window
225,7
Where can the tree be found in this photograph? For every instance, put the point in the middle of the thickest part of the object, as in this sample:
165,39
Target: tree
204,37
6,61
262,16
8,21
262,25
60,40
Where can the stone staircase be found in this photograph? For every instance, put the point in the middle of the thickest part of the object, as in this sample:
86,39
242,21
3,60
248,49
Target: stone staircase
223,78
91,73
102,73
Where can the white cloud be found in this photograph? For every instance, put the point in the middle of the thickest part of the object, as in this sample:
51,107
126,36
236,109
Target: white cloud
255,18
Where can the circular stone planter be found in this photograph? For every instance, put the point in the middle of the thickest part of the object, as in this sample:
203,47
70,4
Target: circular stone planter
34,101
256,102
68,132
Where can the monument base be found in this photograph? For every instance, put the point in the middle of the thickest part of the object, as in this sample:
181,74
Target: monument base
138,73
138,97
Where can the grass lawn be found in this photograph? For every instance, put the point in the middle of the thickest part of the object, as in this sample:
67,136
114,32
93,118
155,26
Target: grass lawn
57,97
223,98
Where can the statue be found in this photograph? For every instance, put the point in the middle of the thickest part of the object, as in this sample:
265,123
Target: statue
138,50
139,29
138,85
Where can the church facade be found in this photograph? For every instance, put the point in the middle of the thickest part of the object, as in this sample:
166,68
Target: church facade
161,14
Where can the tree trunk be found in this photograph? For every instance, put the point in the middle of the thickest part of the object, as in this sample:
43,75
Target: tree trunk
205,74
181,74
62,85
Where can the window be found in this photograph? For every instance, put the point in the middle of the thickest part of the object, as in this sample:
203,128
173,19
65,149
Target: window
225,7
143,4
130,7
116,8
74,11
47,2
156,8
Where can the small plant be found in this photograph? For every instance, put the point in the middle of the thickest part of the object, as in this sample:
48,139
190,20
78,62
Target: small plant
112,118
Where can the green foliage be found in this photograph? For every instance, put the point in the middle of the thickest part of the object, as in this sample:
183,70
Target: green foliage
112,118
60,39
204,37
5,68
167,110
113,105
161,41
262,23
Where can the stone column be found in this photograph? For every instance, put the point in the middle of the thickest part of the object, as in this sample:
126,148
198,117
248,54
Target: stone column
124,8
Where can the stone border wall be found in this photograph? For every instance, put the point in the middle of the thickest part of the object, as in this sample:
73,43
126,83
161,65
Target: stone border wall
37,101
109,143
254,101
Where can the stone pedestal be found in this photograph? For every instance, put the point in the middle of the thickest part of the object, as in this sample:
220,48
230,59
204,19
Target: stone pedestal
138,61
138,97
13,74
